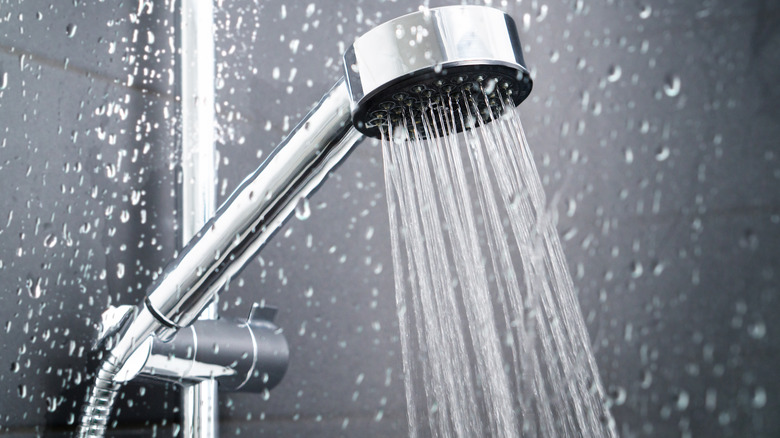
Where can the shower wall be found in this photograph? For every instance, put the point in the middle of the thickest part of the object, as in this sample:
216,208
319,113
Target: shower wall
654,127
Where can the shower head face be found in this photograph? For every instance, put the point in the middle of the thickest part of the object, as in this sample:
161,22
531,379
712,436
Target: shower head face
457,59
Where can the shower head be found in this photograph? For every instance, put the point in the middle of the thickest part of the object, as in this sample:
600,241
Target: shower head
465,59
450,57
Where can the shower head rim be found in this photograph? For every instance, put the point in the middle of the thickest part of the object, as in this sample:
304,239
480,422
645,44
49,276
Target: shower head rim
489,69
433,46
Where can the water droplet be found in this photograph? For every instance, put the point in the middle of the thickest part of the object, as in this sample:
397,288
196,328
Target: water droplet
759,398
683,399
34,288
310,9
543,9
672,85
70,29
757,330
645,12
749,240
711,399
663,153
647,379
50,241
618,395
302,209
51,404
3,80
400,31
614,73
636,269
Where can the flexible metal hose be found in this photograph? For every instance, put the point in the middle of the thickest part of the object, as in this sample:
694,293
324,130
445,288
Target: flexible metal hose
100,400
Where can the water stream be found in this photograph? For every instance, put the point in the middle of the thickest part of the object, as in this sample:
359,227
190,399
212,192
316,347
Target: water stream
493,340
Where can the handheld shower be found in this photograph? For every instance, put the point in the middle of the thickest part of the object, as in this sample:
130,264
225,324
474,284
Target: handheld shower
440,56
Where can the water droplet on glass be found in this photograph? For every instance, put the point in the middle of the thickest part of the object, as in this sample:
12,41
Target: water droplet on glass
614,73
618,395
645,12
672,85
3,80
711,399
663,153
636,269
647,379
50,241
757,330
302,209
400,31
51,404
683,399
34,288
70,29
759,398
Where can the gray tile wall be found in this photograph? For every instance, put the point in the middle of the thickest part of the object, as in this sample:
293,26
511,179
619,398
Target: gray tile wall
655,129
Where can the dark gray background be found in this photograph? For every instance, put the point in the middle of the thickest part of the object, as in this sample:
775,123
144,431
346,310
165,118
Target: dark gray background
654,126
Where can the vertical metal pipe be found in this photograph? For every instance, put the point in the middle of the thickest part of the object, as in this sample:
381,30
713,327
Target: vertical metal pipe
198,179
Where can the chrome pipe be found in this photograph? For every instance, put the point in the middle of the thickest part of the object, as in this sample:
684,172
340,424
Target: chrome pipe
245,222
197,194
247,355
198,176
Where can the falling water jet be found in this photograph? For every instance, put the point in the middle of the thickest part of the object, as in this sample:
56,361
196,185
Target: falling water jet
554,381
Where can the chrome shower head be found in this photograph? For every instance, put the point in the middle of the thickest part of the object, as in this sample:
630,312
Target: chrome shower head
460,58
444,57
